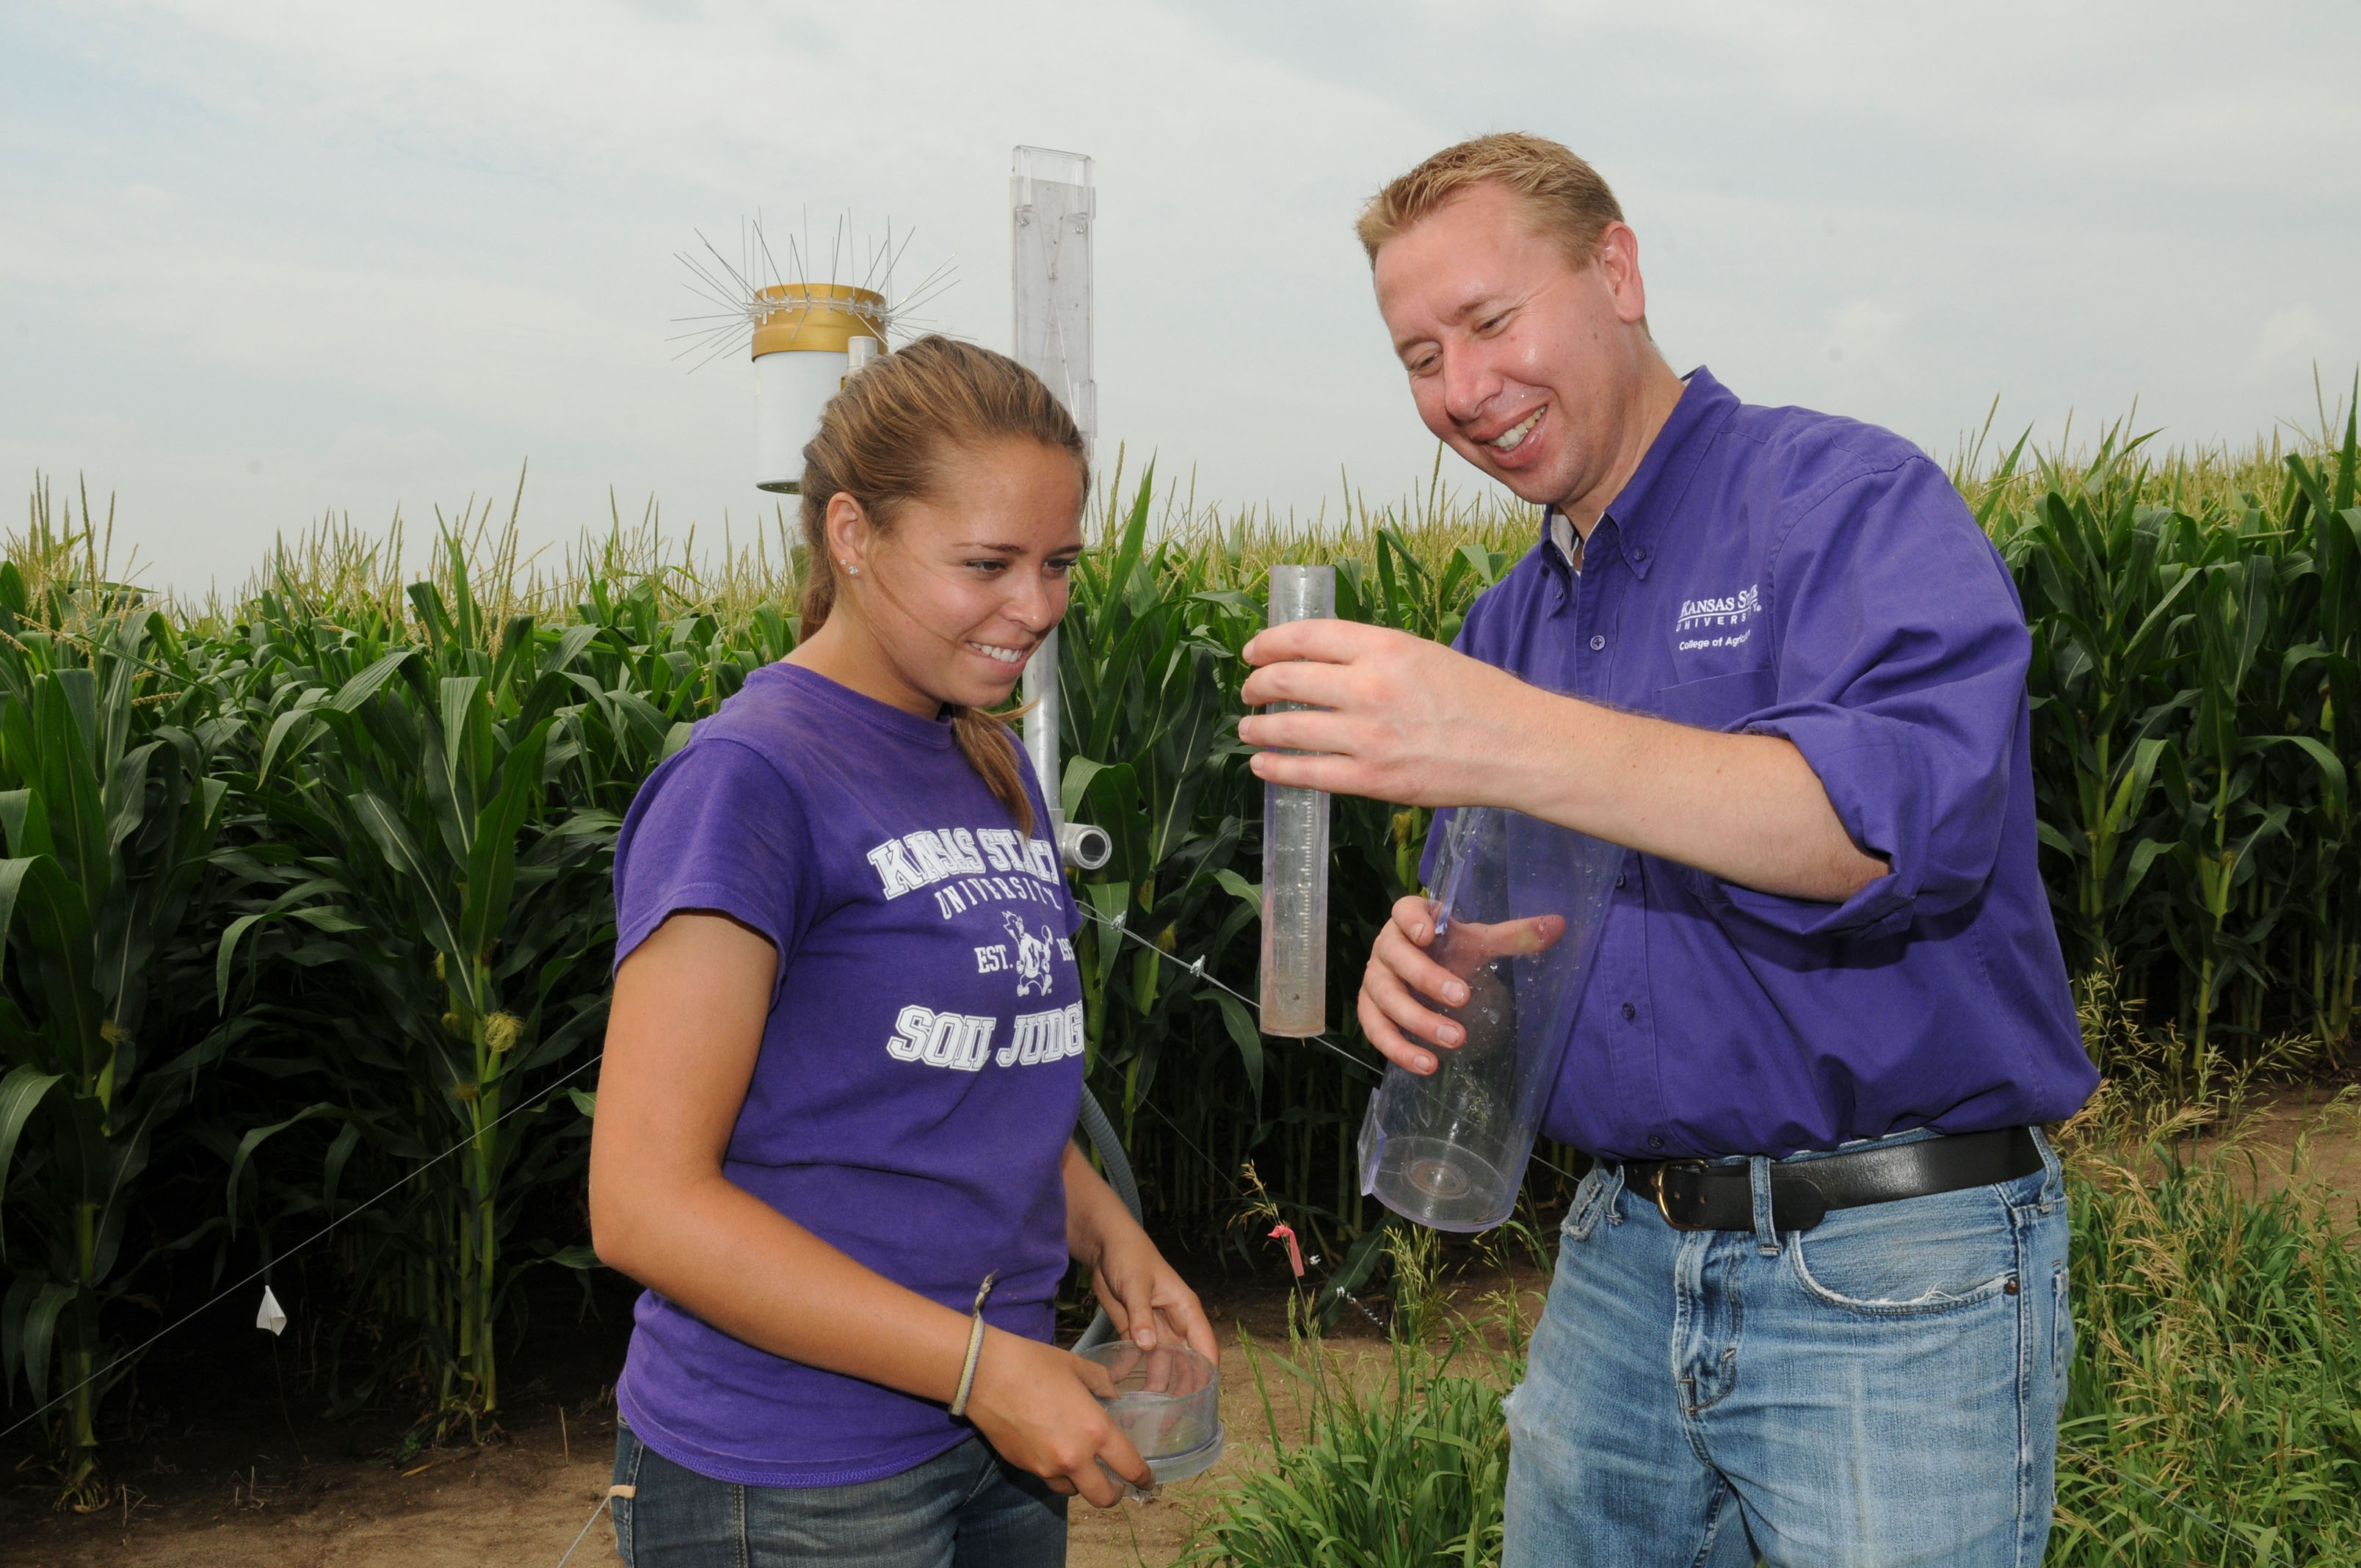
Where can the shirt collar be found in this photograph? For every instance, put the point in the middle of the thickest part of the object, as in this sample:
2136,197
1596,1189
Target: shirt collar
1656,485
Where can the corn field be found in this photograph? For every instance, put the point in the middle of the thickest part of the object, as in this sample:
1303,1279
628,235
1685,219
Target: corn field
306,898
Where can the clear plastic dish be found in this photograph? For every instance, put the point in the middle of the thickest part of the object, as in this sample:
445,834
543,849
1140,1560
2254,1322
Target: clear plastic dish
1168,1400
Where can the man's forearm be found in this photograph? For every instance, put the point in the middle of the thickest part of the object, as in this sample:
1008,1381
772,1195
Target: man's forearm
1393,716
1746,808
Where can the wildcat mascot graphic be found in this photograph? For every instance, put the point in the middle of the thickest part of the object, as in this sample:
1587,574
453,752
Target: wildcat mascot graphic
1033,953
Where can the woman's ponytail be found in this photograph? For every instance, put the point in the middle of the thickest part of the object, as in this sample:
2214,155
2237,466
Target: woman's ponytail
985,741
887,438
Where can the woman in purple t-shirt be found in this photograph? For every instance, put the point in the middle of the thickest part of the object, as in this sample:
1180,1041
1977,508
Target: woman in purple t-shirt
846,1050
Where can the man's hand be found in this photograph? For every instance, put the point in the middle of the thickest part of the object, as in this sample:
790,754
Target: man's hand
1407,720
1406,967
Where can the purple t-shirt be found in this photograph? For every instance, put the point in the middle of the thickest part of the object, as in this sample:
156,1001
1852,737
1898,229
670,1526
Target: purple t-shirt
921,1071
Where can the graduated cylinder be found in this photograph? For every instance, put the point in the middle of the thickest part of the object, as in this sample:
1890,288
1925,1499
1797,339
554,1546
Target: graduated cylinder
1295,851
1519,904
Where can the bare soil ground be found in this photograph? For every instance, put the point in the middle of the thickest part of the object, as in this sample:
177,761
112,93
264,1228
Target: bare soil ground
221,1471
2329,1130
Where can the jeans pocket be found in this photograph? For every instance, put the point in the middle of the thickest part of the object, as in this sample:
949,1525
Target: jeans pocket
1914,1257
1591,1196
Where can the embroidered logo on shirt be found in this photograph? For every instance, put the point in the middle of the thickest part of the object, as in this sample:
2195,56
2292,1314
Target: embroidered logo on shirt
1707,623
1734,611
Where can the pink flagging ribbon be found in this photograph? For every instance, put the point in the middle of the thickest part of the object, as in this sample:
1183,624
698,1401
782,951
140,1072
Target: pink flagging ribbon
1294,1253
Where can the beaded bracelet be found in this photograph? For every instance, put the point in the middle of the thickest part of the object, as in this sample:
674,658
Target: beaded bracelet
975,1345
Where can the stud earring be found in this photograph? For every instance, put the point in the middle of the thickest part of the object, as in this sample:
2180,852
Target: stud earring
850,570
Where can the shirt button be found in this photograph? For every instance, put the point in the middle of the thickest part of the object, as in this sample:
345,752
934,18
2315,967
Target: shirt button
1629,1013
1597,643
1655,1140
1621,879
1639,551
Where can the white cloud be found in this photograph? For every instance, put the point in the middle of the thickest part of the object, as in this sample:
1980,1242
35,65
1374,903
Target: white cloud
1862,331
371,451
2288,339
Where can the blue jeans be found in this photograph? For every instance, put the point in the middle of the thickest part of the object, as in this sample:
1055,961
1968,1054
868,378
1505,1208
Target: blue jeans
1880,1390
963,1509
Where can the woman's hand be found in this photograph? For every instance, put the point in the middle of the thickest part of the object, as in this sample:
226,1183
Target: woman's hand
1406,967
1038,1407
1146,1298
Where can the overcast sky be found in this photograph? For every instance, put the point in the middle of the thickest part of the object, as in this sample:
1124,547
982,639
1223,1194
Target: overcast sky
260,260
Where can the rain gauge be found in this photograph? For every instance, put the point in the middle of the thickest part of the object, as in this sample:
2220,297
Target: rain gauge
1051,205
810,328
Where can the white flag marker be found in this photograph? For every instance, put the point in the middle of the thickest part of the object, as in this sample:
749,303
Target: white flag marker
272,1316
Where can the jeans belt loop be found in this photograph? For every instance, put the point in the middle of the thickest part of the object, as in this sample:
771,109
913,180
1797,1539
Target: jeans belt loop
1758,1188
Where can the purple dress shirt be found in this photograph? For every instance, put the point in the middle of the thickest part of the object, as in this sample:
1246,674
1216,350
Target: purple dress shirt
1787,572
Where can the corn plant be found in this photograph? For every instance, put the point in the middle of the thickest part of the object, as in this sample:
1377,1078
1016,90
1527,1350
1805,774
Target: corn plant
1148,735
2323,680
1150,672
463,923
2102,598
2192,793
110,803
410,789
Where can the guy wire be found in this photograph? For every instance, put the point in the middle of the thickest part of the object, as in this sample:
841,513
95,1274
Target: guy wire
585,1531
1197,970
539,1103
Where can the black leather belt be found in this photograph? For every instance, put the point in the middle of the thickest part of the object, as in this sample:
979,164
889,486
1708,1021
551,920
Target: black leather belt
1695,1196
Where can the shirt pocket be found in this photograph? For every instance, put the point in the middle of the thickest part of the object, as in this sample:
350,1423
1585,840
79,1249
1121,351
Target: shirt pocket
1716,702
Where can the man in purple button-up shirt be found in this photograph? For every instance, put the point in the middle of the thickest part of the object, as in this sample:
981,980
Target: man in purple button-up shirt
1771,653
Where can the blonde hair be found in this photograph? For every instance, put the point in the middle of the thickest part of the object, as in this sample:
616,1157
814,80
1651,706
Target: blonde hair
1561,194
889,438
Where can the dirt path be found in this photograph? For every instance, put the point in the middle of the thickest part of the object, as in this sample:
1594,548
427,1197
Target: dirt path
2328,1131
518,1503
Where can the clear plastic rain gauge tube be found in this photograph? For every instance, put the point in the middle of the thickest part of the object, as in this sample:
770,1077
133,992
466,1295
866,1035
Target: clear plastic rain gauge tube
1051,205
1295,851
1519,904
1053,202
